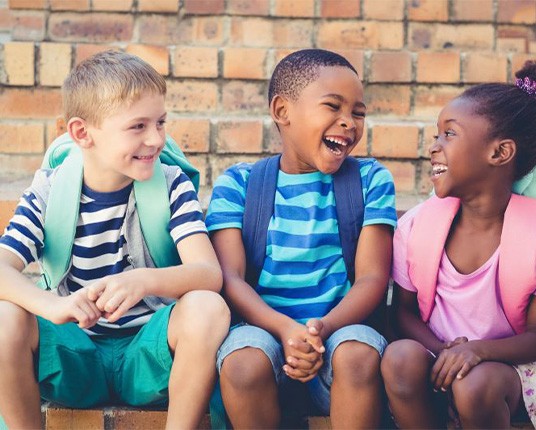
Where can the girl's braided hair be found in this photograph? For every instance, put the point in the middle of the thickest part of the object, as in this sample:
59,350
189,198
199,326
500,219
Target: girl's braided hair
511,112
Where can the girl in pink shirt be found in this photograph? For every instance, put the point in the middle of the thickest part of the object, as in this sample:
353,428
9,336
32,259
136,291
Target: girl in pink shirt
465,344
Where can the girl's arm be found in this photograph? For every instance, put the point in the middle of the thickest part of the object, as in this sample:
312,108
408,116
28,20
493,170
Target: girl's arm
372,266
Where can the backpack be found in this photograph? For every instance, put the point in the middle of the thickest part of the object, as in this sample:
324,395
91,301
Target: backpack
152,203
516,274
259,208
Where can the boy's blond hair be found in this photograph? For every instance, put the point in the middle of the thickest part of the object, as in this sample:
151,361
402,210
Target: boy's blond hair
101,84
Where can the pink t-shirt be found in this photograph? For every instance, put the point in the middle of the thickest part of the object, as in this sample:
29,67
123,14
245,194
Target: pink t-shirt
465,305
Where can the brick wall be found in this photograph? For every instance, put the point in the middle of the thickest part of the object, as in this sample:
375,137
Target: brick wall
413,55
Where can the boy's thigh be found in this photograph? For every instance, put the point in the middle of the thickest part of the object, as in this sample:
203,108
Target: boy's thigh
320,386
143,378
70,370
248,336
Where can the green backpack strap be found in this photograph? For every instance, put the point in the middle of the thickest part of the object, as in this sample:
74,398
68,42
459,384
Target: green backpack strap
61,217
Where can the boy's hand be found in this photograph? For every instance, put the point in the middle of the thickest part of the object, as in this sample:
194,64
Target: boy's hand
76,307
453,363
303,359
114,295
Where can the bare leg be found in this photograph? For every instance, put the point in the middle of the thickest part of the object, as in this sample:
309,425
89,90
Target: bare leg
487,396
20,403
356,388
249,390
406,373
197,326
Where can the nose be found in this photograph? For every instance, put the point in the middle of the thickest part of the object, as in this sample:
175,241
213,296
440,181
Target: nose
435,147
347,122
156,136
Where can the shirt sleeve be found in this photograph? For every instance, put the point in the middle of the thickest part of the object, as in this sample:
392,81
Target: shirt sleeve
226,208
378,194
24,234
399,270
186,213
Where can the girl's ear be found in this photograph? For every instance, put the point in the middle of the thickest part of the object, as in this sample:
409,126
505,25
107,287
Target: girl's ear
279,110
78,130
504,151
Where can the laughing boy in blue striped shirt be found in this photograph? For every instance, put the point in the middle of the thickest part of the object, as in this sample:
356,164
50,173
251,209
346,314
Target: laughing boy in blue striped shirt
303,320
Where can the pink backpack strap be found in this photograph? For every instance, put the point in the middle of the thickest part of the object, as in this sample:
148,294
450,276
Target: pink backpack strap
517,260
426,243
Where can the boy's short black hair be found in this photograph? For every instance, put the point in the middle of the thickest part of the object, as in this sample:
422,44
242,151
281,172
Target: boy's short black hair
299,69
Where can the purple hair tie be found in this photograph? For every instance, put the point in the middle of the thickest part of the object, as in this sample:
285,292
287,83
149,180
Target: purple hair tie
527,85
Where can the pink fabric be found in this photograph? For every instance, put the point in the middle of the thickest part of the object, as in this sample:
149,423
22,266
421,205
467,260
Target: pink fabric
465,305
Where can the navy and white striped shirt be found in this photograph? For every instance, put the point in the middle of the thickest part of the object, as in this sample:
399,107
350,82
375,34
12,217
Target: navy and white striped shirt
100,248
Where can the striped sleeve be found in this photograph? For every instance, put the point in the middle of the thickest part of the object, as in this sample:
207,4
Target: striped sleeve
226,208
186,213
378,194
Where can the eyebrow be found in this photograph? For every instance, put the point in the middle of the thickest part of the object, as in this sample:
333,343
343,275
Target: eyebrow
341,99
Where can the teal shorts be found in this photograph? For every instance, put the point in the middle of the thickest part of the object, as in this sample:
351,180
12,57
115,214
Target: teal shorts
81,371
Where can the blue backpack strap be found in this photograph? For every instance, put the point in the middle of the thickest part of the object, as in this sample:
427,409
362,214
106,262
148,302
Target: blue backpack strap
350,210
259,208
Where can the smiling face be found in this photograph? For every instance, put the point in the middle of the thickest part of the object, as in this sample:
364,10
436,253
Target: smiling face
461,156
125,145
324,124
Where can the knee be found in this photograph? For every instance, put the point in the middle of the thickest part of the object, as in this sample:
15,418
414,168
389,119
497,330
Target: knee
17,326
473,394
247,369
405,365
356,363
201,313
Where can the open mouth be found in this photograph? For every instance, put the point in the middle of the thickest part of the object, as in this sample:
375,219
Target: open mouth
438,169
335,145
144,157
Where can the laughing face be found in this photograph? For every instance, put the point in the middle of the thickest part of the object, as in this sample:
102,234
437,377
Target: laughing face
324,124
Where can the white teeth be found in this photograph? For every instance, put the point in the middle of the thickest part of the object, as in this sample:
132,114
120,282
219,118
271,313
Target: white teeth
337,141
437,169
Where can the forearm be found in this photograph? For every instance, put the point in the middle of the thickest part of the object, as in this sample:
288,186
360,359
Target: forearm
411,326
514,350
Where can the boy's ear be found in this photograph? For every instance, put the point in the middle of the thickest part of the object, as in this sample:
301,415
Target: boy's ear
78,130
279,110
504,151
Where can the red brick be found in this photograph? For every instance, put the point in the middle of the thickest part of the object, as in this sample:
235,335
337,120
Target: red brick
244,63
192,96
253,32
195,62
518,61
78,5
6,20
248,7
204,7
340,8
473,10
395,140
442,36
200,162
348,34
167,30
112,5
22,138
390,66
20,164
54,63
388,99
60,418
273,144
532,47
430,100
512,44
429,131
86,50
295,33
484,67
440,67
192,135
7,210
156,56
403,174
158,5
19,59
30,103
301,8
28,26
428,10
27,4
243,97
239,136
424,178
223,161
362,147
518,11
384,10
91,27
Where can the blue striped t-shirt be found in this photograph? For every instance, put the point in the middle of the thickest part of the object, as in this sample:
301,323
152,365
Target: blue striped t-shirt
100,248
304,275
